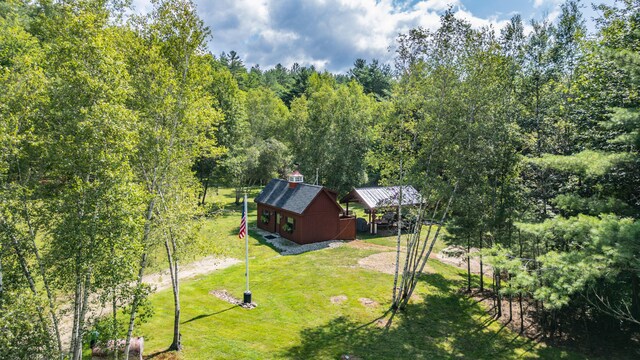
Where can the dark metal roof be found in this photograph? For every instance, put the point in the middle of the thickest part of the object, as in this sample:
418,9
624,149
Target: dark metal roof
377,197
278,194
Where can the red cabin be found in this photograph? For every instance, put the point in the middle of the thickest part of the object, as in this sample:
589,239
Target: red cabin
302,213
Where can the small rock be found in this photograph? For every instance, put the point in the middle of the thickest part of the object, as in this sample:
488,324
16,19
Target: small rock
249,306
368,302
225,296
349,357
338,299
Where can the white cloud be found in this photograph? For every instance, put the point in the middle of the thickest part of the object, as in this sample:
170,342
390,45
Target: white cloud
538,3
477,22
551,3
141,6
329,34
439,4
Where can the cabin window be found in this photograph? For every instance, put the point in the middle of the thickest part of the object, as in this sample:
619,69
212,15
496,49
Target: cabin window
296,178
290,225
266,216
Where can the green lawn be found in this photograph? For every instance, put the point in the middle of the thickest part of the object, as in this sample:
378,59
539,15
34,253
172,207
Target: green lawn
295,318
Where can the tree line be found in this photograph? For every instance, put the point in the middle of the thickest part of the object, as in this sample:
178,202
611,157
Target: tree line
273,119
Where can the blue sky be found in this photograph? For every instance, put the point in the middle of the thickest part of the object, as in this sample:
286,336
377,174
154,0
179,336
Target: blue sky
332,34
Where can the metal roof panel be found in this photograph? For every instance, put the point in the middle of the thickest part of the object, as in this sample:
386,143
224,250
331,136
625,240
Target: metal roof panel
376,197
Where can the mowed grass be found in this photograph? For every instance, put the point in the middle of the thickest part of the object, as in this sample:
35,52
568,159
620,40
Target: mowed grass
296,319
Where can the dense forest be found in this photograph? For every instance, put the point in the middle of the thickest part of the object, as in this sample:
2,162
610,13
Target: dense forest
523,141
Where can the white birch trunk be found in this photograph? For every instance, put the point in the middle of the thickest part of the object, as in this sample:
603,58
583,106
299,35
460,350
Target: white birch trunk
397,270
143,265
173,270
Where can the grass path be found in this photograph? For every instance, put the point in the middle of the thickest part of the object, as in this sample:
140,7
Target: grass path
162,280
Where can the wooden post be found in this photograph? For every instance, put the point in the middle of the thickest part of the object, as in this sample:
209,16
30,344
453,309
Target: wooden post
373,223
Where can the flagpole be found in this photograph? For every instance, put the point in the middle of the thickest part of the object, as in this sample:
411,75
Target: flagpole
247,294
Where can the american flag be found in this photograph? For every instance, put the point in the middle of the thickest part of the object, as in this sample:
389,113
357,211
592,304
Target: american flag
243,226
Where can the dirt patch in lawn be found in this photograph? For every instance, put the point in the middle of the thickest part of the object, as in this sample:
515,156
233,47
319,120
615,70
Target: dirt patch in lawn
338,299
457,256
360,244
225,296
162,280
368,302
386,262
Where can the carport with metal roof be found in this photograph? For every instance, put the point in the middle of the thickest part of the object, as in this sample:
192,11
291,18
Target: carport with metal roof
374,199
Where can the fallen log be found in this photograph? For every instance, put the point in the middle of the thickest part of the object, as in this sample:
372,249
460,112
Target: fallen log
103,352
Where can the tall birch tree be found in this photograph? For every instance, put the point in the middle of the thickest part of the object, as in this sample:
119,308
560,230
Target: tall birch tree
177,125
23,98
90,134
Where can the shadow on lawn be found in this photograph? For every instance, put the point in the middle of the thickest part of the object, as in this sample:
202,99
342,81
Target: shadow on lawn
263,242
163,355
202,316
445,325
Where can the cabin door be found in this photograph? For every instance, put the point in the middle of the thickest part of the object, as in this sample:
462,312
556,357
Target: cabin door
277,223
